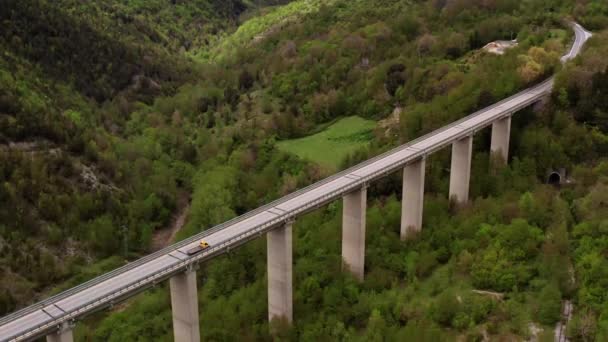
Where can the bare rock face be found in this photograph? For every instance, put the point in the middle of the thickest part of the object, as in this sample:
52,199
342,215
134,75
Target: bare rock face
390,125
500,46
534,330
91,179
561,326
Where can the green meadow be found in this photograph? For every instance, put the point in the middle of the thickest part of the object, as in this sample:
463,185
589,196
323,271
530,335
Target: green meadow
330,146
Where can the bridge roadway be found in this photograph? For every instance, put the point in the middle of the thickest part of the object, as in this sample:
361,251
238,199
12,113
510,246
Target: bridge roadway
106,290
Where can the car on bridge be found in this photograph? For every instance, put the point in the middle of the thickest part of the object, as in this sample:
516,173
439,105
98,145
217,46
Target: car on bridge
200,247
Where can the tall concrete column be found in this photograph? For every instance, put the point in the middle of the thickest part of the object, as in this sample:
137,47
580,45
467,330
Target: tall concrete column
184,305
501,131
413,198
280,301
353,232
460,171
63,335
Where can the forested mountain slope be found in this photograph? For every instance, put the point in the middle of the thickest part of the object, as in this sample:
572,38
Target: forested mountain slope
71,72
174,99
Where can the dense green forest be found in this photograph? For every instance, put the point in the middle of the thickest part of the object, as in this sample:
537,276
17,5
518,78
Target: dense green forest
110,112
86,158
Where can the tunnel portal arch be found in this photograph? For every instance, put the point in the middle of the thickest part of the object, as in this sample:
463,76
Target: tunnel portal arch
554,178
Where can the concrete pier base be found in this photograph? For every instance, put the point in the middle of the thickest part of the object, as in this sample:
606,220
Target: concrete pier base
501,132
412,202
184,306
279,251
65,334
460,171
353,232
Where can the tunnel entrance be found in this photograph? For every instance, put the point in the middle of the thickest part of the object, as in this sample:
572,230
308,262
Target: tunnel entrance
554,178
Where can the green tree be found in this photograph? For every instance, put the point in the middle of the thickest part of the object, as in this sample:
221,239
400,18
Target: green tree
550,304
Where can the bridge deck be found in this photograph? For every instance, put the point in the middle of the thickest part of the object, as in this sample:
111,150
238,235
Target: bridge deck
44,317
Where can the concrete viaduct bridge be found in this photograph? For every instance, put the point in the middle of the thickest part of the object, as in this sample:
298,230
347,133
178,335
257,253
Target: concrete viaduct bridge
56,316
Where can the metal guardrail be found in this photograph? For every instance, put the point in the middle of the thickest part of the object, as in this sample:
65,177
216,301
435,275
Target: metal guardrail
225,245
185,242
219,248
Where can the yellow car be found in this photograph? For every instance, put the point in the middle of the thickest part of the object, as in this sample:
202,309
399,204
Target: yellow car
201,246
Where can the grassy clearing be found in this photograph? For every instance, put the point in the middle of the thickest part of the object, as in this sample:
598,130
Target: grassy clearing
330,146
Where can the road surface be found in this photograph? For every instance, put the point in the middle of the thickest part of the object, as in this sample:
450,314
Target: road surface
43,318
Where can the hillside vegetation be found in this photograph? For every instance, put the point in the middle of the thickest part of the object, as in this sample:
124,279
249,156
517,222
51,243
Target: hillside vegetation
72,75
172,98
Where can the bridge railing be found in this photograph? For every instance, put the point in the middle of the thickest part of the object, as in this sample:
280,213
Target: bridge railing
222,246
141,284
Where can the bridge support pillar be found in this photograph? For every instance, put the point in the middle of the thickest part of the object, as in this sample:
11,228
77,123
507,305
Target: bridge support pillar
460,171
184,305
279,251
63,335
412,202
499,148
353,232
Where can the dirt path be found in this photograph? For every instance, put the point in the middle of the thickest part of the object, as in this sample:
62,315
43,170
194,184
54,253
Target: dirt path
164,237
567,309
493,295
560,328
